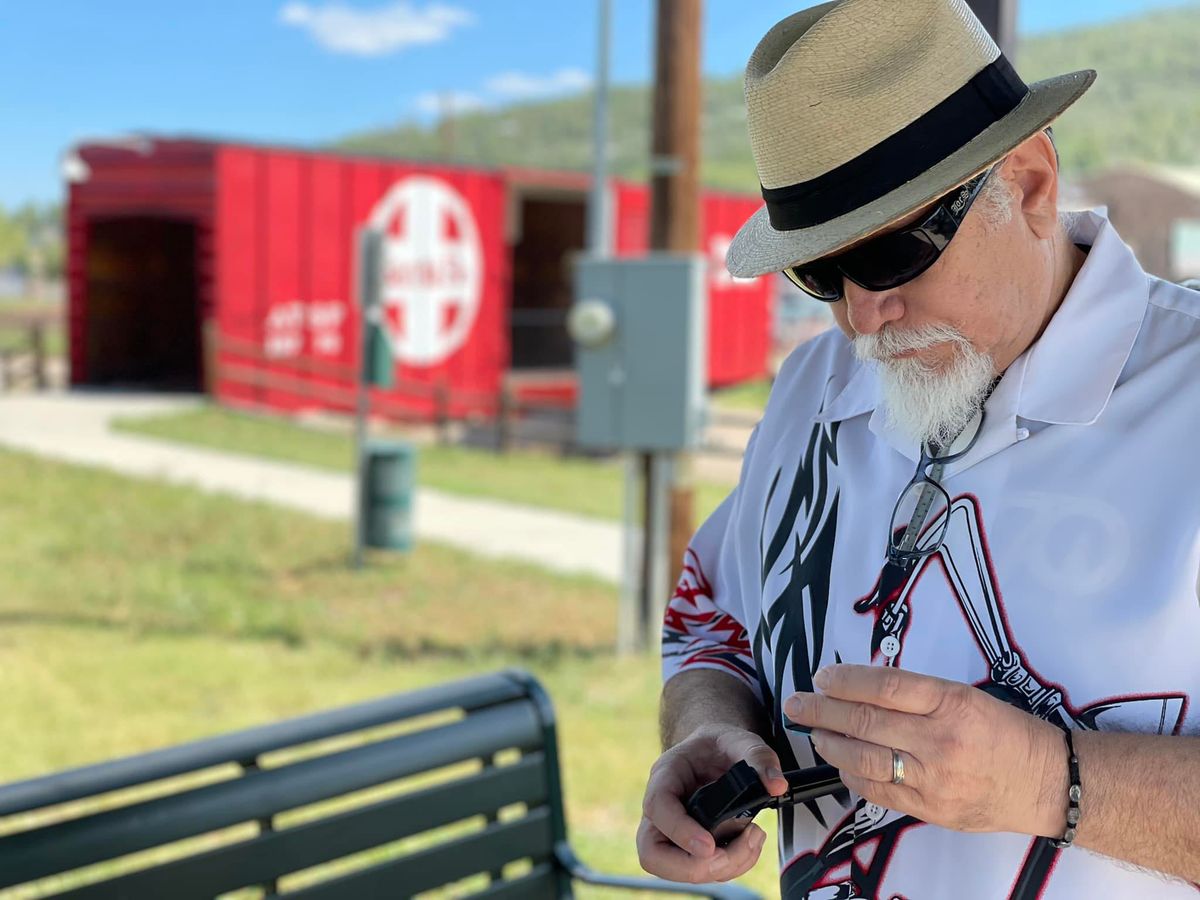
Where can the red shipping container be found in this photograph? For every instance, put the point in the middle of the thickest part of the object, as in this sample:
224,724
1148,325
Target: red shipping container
230,267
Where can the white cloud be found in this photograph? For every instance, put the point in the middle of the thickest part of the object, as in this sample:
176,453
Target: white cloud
435,103
374,32
507,86
519,86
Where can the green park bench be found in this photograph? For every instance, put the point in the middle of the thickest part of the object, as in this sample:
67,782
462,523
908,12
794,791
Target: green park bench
481,752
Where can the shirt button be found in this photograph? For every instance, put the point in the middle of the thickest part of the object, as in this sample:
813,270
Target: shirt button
890,646
1022,434
875,813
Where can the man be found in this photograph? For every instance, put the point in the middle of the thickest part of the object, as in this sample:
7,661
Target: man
941,634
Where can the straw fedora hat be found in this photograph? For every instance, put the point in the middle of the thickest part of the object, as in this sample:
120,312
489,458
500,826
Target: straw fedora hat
863,111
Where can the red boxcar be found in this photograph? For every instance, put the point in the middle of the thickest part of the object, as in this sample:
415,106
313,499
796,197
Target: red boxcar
230,267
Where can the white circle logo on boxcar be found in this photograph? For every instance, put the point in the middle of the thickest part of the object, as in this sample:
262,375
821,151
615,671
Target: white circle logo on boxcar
433,269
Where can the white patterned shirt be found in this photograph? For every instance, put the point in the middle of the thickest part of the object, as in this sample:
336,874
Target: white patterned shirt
1067,583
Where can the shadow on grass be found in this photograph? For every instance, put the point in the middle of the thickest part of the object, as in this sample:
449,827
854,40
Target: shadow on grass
385,650
277,634
546,653
225,567
377,563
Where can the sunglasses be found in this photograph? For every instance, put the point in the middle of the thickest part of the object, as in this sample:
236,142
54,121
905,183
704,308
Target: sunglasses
892,259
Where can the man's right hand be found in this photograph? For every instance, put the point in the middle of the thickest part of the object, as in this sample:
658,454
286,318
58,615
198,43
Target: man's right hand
673,845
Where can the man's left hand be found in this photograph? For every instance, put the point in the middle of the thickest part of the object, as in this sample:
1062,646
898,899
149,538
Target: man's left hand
971,761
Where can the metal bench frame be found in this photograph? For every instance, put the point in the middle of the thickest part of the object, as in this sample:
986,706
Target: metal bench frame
476,719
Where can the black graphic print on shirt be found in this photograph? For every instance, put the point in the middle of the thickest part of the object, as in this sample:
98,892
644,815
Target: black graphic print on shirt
837,868
805,551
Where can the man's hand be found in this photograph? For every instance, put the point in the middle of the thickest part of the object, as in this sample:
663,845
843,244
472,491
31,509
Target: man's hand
971,762
673,845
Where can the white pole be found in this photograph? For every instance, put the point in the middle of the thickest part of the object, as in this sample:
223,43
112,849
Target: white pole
630,627
599,222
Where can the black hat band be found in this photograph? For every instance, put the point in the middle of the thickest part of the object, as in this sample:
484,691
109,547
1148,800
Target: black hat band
980,103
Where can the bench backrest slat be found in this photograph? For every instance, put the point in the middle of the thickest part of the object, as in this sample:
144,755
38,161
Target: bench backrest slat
454,755
261,794
482,851
276,853
74,784
540,883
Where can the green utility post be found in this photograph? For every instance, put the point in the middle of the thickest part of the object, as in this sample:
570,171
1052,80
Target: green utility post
386,471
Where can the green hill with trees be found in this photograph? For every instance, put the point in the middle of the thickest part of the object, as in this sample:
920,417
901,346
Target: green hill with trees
1145,107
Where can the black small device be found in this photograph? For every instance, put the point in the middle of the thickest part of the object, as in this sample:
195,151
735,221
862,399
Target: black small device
740,794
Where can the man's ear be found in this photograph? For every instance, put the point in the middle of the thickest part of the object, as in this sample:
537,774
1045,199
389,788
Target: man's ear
1032,169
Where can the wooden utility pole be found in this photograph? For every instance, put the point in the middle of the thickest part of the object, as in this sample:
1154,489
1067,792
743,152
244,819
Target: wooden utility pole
674,228
675,157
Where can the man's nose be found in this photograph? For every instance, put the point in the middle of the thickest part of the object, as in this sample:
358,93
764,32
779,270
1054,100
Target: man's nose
871,310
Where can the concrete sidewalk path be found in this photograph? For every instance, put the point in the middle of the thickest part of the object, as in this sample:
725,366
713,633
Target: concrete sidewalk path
75,427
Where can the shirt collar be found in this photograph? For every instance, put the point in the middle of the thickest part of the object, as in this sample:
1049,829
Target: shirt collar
1102,312
857,395
1100,317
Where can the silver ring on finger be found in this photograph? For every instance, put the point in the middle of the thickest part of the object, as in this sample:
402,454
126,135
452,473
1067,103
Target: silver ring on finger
897,767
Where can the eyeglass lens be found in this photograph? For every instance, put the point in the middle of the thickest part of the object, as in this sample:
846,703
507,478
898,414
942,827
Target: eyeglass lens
919,522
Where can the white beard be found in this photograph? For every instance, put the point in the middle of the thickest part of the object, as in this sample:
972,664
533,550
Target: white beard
922,403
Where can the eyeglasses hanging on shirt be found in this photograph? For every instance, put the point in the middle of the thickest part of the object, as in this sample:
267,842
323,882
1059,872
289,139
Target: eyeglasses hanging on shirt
917,531
924,500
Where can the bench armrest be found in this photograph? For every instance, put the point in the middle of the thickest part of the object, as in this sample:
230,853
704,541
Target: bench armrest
580,872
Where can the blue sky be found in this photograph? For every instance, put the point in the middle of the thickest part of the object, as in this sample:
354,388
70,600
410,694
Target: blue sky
307,71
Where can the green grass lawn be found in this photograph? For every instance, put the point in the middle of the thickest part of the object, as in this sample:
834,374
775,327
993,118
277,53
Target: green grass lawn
137,615
587,487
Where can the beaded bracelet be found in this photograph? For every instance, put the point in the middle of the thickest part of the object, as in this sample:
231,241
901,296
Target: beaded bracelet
1074,792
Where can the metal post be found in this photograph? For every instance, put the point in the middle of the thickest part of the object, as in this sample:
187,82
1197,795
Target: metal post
360,468
370,260
599,226
629,620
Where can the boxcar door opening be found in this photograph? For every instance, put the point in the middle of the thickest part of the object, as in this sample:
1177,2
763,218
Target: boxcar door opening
142,315
553,229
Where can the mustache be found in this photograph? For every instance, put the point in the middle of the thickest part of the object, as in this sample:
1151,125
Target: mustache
889,342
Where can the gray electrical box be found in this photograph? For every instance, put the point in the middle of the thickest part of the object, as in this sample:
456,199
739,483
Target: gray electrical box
640,328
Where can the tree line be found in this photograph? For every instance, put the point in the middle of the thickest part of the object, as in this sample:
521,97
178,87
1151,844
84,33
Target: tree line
31,240
1145,108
